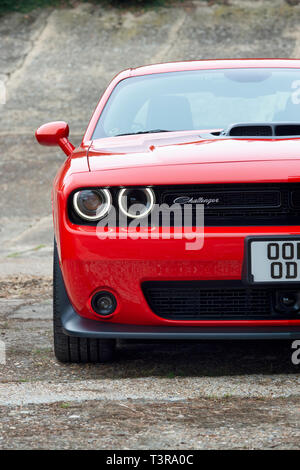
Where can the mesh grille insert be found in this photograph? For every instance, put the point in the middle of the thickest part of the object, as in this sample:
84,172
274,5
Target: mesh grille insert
238,204
200,300
241,131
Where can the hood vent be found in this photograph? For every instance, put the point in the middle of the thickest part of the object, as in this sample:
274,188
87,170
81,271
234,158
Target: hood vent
264,130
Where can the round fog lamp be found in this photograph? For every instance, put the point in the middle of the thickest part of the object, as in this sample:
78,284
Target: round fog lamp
104,303
287,301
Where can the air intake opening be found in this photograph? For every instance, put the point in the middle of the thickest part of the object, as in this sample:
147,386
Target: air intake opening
220,300
287,129
241,131
264,130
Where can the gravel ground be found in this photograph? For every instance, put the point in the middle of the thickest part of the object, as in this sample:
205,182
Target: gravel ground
155,396
193,424
150,389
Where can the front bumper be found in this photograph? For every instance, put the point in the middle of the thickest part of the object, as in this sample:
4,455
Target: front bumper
74,325
123,265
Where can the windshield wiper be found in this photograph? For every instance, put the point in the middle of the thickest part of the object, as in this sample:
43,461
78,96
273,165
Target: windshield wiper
153,131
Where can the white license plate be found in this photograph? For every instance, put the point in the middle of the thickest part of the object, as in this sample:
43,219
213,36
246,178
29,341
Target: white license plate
274,260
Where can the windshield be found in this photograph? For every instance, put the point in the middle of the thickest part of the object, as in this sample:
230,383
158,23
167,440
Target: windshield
200,99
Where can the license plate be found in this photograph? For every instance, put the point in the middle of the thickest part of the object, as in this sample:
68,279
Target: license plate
273,260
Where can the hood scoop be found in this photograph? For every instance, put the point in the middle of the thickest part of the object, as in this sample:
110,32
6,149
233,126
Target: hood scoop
263,130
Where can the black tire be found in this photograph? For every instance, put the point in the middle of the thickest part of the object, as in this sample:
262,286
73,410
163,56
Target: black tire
71,348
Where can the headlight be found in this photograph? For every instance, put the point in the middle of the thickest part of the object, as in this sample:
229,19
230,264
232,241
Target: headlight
92,204
136,202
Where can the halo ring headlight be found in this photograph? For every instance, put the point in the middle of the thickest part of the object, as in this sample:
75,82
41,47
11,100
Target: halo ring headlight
92,204
145,192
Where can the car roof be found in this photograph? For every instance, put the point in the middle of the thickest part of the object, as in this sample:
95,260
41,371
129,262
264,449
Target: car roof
211,64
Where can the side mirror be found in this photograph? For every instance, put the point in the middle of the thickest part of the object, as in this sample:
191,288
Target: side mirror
55,133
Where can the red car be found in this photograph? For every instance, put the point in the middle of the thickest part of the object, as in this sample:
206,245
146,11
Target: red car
178,215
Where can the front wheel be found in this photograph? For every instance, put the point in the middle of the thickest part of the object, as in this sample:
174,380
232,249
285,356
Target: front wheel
71,348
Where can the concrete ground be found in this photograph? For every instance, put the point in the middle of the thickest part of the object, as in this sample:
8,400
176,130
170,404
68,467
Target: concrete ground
55,64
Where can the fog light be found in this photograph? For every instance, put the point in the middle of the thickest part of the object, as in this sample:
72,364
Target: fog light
288,301
104,303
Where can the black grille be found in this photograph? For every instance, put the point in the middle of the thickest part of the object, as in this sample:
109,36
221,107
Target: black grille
287,129
263,130
244,131
211,300
239,204
224,204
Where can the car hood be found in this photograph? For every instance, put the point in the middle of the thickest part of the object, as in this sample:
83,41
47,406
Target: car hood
189,153
147,150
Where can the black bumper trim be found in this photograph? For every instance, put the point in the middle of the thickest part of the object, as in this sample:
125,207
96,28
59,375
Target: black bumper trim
74,325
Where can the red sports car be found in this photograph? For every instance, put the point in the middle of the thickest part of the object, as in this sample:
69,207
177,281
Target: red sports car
178,215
